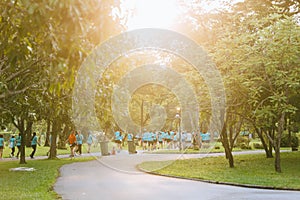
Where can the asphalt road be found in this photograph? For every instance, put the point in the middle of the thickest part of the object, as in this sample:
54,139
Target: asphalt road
116,177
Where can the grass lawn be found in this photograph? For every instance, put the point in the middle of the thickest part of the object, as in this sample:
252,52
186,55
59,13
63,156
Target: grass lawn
32,185
249,169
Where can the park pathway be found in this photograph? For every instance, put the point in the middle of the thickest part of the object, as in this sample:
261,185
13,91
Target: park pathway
117,178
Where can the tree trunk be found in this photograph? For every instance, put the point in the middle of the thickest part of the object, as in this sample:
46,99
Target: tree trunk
225,142
278,141
196,141
270,147
23,142
22,150
47,142
289,133
228,153
230,160
53,152
277,160
56,126
63,136
19,124
265,146
28,133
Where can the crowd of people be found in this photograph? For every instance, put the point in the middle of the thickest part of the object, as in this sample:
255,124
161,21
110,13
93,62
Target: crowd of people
15,141
148,140
153,140
75,141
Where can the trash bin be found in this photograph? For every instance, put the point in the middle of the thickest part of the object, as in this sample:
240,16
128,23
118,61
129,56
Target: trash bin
131,147
104,148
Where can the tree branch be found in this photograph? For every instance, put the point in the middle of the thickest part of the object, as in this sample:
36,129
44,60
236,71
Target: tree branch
11,93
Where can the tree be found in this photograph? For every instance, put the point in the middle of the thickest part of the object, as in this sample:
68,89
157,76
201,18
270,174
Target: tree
42,46
79,28
266,61
276,75
245,50
22,60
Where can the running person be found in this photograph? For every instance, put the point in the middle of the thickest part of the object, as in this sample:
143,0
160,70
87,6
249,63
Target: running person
1,145
34,142
72,142
118,140
145,140
12,144
18,143
160,140
79,141
89,141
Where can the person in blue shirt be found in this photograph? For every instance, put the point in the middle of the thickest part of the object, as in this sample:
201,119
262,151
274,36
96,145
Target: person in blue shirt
117,135
118,140
79,140
160,140
18,144
154,135
205,137
164,138
150,141
168,139
129,137
89,141
34,142
12,144
1,145
188,139
145,140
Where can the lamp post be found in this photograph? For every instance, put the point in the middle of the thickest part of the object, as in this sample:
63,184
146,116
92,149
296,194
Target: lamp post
177,116
142,114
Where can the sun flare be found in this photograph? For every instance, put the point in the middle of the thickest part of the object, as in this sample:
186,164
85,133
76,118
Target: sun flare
150,13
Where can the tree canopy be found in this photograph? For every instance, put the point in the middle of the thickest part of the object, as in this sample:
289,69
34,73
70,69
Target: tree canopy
254,44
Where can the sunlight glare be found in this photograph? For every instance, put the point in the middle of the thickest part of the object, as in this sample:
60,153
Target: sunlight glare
151,13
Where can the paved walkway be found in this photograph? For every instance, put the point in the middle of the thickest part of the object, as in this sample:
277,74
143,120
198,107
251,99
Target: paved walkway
116,177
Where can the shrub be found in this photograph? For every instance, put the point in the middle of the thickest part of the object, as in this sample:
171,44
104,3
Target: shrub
286,143
244,139
294,141
258,146
244,146
243,142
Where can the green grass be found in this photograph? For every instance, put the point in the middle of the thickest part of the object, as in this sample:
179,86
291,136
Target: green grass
253,170
32,185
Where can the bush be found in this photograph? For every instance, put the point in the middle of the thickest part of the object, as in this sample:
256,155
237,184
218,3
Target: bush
286,143
294,141
243,139
243,143
258,146
244,146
